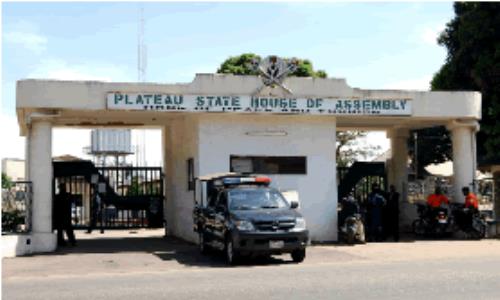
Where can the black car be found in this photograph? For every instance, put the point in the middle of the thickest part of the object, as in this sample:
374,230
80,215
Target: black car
245,216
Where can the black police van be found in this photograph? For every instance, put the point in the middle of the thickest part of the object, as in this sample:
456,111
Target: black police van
242,215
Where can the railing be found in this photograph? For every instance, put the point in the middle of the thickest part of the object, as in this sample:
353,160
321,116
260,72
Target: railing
128,197
16,207
134,181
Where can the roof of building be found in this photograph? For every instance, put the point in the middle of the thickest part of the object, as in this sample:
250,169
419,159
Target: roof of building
66,157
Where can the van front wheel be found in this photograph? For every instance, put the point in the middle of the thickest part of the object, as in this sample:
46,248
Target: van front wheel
299,255
232,256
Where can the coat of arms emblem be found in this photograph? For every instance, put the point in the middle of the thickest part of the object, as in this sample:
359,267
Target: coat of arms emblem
273,70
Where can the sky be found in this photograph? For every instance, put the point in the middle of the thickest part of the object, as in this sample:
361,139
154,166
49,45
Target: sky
372,45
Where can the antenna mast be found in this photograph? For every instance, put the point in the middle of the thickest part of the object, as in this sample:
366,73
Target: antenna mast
141,77
141,48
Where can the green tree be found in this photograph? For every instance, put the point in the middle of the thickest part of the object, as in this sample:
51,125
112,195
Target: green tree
6,181
433,146
239,65
472,39
347,151
135,188
242,65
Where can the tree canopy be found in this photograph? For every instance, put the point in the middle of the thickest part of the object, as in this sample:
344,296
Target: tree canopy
472,39
241,65
348,151
6,181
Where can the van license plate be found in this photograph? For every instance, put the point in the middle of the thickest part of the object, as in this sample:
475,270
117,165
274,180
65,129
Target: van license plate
276,244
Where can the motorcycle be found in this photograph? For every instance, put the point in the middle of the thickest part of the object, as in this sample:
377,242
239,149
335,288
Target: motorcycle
353,230
431,222
469,221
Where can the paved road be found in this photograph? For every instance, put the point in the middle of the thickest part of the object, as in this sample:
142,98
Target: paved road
155,268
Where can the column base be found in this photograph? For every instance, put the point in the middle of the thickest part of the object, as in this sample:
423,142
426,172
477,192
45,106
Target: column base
25,244
44,242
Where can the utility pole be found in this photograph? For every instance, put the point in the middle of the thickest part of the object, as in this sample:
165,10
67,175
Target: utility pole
141,77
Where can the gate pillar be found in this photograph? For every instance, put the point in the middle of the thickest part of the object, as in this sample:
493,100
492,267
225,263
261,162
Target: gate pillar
463,138
39,171
398,175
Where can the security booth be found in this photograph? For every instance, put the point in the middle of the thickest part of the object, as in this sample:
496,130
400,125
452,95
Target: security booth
283,127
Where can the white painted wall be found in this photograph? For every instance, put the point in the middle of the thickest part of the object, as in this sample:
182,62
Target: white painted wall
181,143
91,95
222,137
14,168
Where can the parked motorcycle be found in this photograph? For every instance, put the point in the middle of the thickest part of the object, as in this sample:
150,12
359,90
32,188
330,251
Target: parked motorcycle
468,221
352,229
431,222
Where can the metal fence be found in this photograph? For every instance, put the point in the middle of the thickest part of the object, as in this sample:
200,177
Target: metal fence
130,197
16,207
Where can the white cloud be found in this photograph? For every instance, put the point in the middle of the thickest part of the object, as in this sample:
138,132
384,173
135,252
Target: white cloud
59,69
31,41
429,34
70,141
12,143
421,83
152,143
64,141
373,139
188,73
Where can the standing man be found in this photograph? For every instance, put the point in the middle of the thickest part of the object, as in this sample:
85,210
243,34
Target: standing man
63,216
392,215
376,202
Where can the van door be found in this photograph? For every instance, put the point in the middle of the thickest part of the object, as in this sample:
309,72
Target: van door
220,217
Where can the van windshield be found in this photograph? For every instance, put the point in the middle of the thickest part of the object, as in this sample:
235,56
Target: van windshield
256,198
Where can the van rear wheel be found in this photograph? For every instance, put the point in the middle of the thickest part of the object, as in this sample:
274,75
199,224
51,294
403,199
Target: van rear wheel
299,255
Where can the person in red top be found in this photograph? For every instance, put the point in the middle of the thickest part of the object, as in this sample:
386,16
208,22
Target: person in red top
471,206
470,198
437,199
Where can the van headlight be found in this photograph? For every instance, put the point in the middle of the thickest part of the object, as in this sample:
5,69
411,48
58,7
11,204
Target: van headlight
300,224
244,225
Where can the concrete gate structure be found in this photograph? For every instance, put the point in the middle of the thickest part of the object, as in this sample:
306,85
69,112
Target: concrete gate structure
216,117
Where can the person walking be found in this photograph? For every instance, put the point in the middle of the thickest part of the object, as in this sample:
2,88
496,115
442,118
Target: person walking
63,216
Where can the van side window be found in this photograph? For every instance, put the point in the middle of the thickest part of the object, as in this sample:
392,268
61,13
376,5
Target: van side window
212,199
222,199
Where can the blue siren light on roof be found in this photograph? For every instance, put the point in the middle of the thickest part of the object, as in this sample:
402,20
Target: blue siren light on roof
240,180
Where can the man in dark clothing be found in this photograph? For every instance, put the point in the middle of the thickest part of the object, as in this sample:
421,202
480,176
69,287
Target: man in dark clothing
392,213
376,203
63,216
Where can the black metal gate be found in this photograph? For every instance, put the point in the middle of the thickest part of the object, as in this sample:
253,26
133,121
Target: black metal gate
359,178
112,197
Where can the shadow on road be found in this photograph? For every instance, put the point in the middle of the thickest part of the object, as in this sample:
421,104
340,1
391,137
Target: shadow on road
165,248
